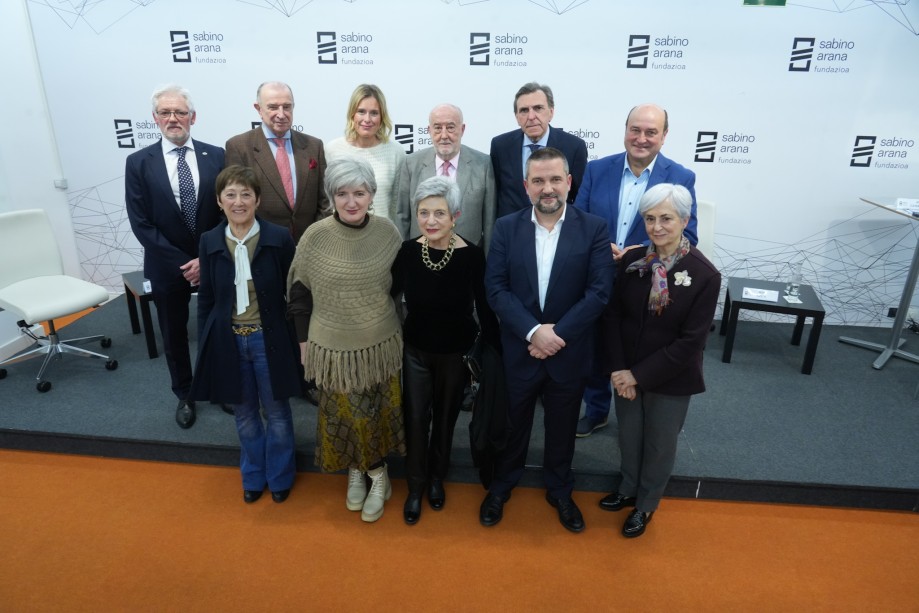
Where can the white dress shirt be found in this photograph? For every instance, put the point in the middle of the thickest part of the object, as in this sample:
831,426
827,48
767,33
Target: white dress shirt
546,246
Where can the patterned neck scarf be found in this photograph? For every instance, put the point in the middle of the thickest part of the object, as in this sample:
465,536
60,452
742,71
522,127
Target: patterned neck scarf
660,294
243,272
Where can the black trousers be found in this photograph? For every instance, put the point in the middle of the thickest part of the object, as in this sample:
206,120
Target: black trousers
561,401
171,301
432,394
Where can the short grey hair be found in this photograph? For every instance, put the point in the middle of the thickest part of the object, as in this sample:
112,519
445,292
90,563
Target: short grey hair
531,88
439,187
678,196
172,88
348,172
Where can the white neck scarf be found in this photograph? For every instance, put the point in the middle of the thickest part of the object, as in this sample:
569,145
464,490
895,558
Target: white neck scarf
243,272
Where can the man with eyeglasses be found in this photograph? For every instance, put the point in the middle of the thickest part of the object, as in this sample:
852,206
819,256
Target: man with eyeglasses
470,169
290,164
171,200
534,107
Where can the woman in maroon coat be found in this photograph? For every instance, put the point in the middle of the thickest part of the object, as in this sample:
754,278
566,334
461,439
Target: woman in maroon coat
654,331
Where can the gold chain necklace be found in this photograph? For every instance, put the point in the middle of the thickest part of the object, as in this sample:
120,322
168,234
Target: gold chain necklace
426,256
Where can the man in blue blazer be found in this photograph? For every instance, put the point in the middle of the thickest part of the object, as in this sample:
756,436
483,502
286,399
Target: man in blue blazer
612,189
170,200
548,278
534,107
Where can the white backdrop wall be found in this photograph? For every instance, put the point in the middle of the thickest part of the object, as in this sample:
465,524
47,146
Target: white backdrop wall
29,162
790,88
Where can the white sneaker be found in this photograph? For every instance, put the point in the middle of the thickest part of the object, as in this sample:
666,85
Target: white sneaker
357,490
380,492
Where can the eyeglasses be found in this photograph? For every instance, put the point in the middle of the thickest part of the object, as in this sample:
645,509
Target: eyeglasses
178,114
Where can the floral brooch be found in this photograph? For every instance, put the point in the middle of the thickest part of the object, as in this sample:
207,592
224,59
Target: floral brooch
682,278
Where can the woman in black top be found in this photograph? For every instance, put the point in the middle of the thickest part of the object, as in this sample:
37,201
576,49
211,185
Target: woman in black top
442,278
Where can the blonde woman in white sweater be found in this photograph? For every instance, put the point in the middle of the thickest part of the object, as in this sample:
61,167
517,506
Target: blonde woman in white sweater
367,131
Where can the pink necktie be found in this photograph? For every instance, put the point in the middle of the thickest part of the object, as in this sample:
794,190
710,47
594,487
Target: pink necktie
446,169
284,168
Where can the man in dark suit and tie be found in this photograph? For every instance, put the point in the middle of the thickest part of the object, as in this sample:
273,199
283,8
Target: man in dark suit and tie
290,165
612,188
534,107
470,169
170,201
548,278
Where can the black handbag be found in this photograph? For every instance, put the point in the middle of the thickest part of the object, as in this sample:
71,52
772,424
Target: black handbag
473,360
487,428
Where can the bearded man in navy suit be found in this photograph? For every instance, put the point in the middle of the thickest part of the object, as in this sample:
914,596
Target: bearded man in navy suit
548,278
170,200
534,108
612,189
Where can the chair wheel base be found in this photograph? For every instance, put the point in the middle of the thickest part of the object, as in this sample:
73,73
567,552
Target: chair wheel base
106,342
43,386
111,365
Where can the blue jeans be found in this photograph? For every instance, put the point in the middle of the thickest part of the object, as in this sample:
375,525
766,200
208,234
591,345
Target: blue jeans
267,451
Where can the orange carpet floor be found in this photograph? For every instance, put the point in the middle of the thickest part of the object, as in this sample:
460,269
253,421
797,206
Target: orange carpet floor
91,534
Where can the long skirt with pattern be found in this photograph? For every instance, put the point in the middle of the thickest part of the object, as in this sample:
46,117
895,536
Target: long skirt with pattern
357,430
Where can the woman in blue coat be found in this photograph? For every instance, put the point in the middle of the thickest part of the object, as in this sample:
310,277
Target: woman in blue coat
246,351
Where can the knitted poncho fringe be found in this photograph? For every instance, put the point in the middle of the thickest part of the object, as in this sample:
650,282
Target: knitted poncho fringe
355,337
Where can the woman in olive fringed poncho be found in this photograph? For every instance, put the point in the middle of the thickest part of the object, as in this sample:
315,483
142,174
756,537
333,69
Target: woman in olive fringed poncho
349,333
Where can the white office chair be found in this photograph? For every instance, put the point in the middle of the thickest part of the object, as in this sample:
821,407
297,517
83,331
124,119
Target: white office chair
705,214
33,286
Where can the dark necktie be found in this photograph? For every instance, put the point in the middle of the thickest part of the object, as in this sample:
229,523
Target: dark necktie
533,147
187,192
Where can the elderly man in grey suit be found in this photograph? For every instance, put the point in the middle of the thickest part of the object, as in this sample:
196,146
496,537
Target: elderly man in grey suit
448,157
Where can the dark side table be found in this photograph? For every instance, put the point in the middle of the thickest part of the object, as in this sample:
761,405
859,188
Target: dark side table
810,307
134,292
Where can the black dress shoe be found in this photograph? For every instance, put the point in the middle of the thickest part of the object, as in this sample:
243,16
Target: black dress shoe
312,396
616,502
412,509
587,426
436,494
492,509
636,523
185,414
251,496
227,409
280,495
568,513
